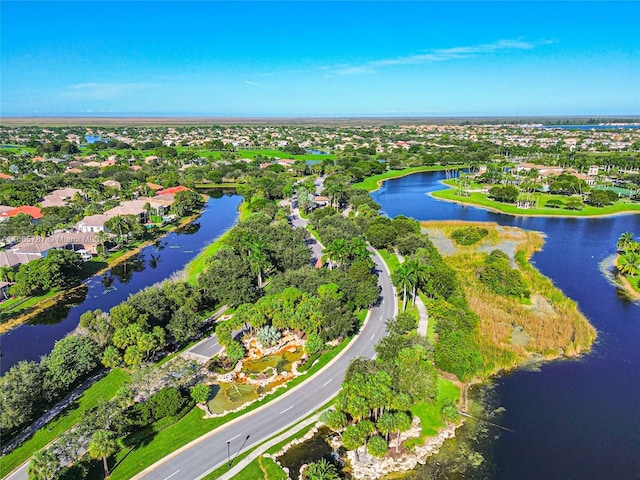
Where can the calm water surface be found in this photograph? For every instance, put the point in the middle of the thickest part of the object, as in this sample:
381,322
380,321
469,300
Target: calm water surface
153,264
574,418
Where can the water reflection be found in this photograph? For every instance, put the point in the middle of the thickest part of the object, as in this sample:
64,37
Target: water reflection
57,312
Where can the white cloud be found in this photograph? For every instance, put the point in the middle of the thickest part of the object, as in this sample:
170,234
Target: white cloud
438,55
105,91
255,84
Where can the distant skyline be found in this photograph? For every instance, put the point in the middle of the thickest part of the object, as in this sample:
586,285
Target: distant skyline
301,59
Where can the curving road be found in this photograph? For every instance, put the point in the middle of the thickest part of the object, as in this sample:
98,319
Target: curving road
209,452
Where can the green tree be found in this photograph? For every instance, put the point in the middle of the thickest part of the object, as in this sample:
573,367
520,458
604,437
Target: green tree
402,424
352,439
377,446
200,393
184,325
21,394
103,444
43,465
624,241
335,419
386,424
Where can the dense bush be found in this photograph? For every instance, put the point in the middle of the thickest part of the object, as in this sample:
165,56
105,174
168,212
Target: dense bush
469,235
167,402
500,278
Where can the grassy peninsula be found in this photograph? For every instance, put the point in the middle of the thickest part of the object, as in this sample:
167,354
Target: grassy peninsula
542,204
541,323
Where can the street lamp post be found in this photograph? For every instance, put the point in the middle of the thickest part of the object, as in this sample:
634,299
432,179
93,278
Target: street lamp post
228,454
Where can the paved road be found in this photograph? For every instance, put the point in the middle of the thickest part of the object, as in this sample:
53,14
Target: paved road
210,452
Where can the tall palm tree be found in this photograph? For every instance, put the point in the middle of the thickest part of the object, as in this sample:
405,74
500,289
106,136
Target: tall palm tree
258,259
402,279
624,241
103,444
102,238
43,466
418,272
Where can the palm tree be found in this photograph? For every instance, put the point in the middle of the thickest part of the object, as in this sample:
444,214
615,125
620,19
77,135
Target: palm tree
402,279
418,272
103,444
321,470
402,423
43,466
102,238
7,274
386,424
624,241
629,263
258,260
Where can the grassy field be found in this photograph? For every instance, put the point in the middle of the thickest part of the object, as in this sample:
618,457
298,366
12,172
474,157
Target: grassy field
375,182
103,389
481,200
429,413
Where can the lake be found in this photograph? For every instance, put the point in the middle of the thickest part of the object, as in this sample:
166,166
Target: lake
151,265
572,418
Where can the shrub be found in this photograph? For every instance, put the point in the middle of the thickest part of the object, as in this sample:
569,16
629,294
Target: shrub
500,278
268,335
469,235
167,402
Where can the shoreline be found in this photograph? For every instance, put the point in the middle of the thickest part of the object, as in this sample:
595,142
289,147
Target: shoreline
404,173
623,282
38,308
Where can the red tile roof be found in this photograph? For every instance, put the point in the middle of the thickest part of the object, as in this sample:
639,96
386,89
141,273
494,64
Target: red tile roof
172,190
33,212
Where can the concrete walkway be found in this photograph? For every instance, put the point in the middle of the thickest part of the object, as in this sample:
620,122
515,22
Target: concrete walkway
423,315
242,464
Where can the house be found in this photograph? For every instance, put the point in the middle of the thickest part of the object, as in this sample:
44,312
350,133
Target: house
322,201
154,186
93,224
112,184
60,197
593,170
34,212
4,176
173,190
34,248
129,207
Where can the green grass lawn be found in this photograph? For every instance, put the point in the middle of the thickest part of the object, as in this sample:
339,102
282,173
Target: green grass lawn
375,182
482,200
390,258
196,265
103,389
429,414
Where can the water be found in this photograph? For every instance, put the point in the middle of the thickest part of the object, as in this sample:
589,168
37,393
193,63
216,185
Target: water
592,127
308,452
153,264
93,138
574,418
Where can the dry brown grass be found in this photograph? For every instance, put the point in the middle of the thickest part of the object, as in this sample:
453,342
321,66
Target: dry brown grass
552,321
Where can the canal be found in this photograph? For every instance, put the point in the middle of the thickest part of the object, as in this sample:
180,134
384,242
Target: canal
153,264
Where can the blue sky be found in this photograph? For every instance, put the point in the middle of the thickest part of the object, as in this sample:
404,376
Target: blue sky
316,58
